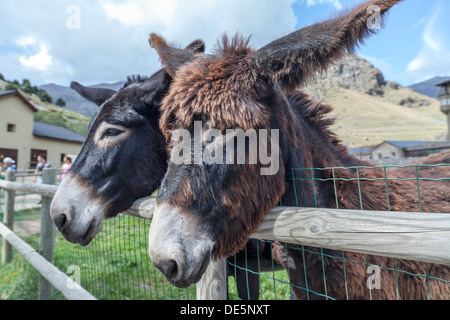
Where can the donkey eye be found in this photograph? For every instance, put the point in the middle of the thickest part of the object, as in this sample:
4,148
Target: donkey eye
112,132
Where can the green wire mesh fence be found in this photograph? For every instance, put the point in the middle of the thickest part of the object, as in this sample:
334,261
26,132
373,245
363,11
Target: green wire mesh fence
116,264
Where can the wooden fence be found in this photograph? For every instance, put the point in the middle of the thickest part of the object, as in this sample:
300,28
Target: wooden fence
412,236
42,261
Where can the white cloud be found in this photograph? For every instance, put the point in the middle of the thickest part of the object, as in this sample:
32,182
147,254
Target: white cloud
112,40
127,14
138,12
434,57
25,41
336,3
40,61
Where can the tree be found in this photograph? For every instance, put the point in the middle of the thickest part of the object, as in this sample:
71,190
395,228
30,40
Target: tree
2,77
44,96
26,83
10,86
60,102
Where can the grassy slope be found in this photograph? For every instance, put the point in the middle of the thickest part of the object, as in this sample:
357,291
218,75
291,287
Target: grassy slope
52,114
115,265
366,120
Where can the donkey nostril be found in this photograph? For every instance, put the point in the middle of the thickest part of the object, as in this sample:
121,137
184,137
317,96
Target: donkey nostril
61,221
170,269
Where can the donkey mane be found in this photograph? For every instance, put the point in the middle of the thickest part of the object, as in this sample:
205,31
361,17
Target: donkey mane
237,45
135,78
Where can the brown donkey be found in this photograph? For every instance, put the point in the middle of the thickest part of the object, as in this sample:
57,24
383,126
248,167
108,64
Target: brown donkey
211,201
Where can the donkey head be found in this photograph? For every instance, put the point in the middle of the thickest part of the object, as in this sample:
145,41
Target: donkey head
209,202
122,159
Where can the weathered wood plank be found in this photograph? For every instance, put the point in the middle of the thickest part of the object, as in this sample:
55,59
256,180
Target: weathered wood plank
44,190
213,284
70,289
413,236
47,235
142,208
8,217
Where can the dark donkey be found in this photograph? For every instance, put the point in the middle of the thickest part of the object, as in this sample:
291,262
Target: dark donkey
208,209
123,141
135,167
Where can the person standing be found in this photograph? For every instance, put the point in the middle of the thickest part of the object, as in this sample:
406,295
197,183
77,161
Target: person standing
10,164
66,166
42,164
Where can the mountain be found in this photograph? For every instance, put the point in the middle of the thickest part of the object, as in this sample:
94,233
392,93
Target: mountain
370,109
355,73
73,100
52,114
428,87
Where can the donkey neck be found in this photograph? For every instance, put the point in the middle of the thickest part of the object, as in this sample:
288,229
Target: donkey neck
316,147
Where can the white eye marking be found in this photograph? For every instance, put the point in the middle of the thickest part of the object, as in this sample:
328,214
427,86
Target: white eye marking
108,135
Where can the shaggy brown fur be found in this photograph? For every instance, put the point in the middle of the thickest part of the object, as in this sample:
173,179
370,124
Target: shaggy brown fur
238,88
377,193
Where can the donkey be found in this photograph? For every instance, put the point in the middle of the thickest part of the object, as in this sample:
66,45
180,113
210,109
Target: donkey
97,186
207,210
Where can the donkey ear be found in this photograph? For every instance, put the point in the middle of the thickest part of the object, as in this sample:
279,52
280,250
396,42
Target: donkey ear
295,58
173,58
95,95
196,46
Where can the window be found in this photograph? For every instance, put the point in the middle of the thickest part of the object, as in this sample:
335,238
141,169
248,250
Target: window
11,127
12,153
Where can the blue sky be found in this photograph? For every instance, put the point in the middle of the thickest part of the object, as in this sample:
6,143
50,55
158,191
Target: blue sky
106,40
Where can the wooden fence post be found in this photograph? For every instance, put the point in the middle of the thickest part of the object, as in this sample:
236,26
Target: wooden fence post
213,284
47,240
8,217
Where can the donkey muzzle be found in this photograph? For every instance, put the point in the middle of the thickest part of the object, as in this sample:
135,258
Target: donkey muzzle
178,247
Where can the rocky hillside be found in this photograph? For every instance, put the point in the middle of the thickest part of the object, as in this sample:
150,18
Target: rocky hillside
370,109
355,73
73,100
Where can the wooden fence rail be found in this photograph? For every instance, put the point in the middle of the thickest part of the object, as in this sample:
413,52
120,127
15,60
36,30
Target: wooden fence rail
49,275
414,236
53,275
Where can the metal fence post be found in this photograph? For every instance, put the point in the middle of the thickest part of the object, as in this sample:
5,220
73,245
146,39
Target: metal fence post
213,284
8,217
47,240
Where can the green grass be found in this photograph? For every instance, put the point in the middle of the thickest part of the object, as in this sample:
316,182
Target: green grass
65,119
115,266
273,286
27,214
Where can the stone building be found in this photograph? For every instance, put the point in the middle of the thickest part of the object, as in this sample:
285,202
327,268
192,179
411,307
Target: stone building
444,98
23,139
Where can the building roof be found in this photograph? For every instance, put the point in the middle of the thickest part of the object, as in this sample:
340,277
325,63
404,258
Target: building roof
406,144
443,83
20,96
49,131
359,150
409,145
